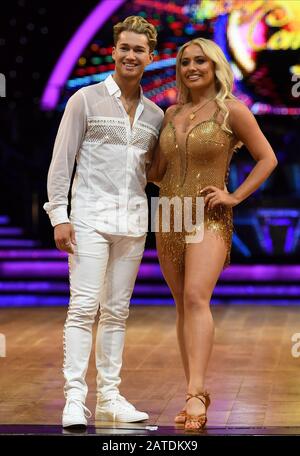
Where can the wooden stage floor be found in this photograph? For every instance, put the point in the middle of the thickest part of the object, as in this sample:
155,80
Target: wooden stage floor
253,376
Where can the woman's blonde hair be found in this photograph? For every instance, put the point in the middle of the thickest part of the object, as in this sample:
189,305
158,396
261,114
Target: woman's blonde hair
223,76
137,24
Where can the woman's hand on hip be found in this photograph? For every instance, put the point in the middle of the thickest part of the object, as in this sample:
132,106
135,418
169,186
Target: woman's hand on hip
217,196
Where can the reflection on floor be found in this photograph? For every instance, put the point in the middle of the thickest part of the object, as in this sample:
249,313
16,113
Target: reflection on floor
144,430
253,375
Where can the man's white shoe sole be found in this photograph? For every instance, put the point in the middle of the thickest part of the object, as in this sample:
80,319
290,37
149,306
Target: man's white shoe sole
110,416
73,421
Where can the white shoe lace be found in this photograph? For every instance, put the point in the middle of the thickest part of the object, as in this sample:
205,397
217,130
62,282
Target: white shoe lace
121,400
124,401
119,403
79,403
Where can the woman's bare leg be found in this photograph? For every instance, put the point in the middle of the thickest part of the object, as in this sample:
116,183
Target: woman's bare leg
175,281
203,264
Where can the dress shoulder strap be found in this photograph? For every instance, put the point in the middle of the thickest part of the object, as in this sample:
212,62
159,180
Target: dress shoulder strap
176,111
215,114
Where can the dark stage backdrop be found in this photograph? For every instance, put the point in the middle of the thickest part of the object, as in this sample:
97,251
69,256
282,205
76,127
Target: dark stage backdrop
260,39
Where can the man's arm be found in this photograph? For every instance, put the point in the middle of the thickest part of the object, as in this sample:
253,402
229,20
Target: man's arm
68,141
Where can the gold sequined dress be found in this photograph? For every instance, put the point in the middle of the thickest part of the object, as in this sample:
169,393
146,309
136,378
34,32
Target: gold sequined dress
203,161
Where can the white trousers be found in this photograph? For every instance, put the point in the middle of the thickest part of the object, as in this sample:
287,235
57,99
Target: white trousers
102,272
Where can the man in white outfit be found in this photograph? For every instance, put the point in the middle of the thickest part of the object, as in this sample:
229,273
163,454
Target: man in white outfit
110,130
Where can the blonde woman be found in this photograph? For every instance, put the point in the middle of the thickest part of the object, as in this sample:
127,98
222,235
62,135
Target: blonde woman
197,141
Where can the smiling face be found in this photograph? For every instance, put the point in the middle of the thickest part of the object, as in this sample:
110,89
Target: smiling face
131,55
196,69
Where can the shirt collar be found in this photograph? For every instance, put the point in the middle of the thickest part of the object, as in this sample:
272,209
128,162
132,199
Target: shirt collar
114,89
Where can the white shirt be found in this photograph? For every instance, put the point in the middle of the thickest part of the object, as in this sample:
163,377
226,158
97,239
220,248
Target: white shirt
108,191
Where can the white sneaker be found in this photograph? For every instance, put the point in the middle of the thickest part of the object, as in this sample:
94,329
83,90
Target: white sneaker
125,401
75,413
118,409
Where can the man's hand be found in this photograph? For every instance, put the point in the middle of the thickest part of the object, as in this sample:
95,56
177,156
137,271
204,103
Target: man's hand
64,237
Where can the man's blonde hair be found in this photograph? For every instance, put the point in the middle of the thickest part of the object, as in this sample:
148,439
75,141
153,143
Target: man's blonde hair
137,24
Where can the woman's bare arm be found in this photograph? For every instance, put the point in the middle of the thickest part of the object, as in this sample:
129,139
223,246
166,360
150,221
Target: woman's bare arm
246,129
157,169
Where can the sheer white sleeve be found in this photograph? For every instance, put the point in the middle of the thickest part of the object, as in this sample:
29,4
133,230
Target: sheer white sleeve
67,144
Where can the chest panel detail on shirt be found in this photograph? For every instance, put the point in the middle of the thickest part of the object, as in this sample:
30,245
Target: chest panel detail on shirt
143,136
105,130
113,131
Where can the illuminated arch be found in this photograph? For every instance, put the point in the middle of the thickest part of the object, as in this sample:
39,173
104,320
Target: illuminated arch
73,50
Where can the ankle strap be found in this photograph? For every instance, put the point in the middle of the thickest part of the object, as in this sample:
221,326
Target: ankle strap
204,395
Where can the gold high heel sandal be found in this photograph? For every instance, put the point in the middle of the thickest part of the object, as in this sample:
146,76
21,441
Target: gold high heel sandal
180,417
197,422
